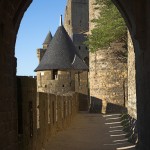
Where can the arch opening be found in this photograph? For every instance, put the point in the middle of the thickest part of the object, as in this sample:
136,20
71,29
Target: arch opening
129,17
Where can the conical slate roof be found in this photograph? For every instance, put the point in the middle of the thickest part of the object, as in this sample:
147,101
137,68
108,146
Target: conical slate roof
48,38
61,54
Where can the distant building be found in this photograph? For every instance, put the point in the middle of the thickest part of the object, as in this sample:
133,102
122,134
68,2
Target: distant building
58,63
77,25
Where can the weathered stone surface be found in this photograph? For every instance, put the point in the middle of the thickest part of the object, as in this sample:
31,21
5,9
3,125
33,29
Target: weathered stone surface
42,115
77,17
131,80
61,83
8,97
108,77
108,70
76,23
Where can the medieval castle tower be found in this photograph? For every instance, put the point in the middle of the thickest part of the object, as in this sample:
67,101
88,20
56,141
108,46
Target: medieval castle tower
58,63
110,79
76,23
59,80
107,71
107,75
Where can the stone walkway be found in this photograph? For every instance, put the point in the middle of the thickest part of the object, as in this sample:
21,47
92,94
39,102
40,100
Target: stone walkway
91,132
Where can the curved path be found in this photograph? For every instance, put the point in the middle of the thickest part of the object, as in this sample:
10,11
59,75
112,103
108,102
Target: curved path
91,132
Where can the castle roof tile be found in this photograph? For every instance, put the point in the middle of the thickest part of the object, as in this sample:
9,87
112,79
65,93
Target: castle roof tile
48,38
61,54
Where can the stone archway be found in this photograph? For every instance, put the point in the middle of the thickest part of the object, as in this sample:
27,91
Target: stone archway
11,13
138,23
136,14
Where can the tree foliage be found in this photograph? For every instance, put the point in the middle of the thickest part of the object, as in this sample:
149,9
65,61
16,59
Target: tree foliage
109,26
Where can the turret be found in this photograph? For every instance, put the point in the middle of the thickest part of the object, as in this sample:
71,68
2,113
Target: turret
47,40
41,51
55,73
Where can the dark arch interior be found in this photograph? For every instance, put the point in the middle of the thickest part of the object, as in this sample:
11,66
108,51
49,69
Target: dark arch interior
136,14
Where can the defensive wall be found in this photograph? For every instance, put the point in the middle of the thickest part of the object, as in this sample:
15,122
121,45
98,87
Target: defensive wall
42,115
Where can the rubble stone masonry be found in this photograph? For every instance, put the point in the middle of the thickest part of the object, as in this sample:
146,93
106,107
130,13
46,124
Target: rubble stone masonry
76,23
131,80
42,115
108,70
108,76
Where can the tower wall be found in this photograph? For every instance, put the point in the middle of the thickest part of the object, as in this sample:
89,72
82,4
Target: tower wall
108,73
77,16
80,15
131,80
55,82
77,25
68,18
41,115
40,53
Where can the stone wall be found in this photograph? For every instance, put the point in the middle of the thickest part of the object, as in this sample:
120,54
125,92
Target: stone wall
42,115
131,80
11,13
93,14
108,76
77,25
59,83
130,92
26,95
55,114
82,88
108,72
77,16
81,82
68,18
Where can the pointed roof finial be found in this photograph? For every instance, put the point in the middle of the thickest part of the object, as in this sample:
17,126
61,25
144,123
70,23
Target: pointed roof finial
48,38
61,22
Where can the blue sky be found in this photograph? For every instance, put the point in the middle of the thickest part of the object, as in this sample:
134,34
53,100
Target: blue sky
42,16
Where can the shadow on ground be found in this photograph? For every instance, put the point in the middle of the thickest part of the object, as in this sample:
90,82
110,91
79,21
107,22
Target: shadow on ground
91,131
96,107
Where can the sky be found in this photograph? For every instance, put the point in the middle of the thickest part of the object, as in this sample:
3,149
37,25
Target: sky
41,17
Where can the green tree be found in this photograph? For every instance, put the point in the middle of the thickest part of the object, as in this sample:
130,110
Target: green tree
109,26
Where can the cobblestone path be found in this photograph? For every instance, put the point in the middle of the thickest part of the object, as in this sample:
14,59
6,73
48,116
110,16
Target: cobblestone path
91,132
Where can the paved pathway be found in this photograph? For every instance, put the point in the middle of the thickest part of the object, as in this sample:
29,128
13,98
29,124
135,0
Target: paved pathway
91,132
